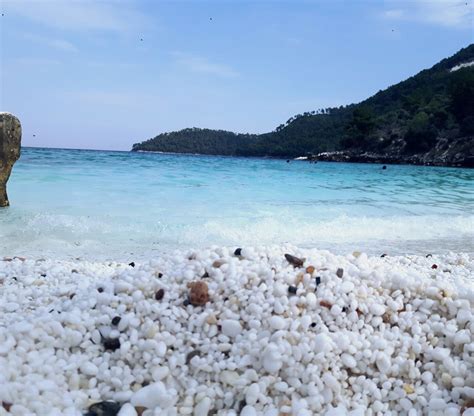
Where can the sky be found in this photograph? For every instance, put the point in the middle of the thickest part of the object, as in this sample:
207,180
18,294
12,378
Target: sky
107,74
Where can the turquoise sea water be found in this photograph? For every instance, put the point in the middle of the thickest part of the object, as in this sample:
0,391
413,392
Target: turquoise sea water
119,205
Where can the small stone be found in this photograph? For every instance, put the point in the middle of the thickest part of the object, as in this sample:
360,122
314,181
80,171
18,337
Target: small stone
199,294
310,269
384,167
318,280
127,410
116,320
340,272
429,255
111,343
383,255
218,263
100,289
107,408
131,264
140,410
231,327
434,266
7,405
238,252
159,294
205,275
408,388
326,304
191,355
292,290
295,261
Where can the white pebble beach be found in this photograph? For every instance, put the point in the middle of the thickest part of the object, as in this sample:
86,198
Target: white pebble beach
392,336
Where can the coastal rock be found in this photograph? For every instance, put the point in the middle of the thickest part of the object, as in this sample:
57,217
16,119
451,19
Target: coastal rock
10,144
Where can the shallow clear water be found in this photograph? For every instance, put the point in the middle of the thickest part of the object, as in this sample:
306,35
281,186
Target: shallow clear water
76,203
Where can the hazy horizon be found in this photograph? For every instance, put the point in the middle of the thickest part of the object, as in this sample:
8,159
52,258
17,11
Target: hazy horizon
104,75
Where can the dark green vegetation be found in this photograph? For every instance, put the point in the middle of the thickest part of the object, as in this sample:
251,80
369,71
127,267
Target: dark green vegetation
407,118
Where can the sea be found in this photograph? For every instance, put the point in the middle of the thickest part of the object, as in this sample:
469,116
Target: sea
111,205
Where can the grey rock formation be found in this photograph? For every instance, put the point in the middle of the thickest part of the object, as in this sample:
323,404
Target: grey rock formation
10,145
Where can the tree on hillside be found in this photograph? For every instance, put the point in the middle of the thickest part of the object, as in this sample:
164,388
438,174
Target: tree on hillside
421,134
462,99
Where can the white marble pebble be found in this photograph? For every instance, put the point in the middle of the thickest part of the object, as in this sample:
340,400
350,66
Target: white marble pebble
127,410
231,327
389,337
203,407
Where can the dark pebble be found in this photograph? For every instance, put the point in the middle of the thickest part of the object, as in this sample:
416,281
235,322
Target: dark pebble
238,252
242,404
191,355
43,275
384,167
6,406
429,255
344,309
313,324
318,280
205,275
100,289
434,266
111,343
160,275
383,255
159,294
186,302
104,409
340,272
132,264
295,261
72,295
116,320
292,289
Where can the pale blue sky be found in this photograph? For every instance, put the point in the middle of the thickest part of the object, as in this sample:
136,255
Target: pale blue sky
79,75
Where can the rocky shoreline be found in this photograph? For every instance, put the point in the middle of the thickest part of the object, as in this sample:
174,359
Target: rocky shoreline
455,153
266,331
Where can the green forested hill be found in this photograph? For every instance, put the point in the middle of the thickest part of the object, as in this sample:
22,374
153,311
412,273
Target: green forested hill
409,117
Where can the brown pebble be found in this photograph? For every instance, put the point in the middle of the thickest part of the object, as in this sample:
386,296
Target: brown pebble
191,355
468,404
159,294
340,272
218,263
199,294
295,261
326,304
7,406
434,266
386,317
140,410
359,312
310,269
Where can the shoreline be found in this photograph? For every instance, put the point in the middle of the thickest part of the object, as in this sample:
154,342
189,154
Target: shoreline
335,335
